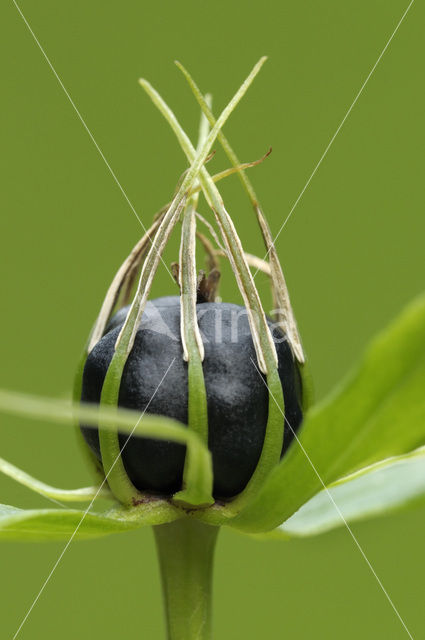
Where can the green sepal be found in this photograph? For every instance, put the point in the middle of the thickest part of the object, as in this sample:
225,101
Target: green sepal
197,479
197,489
115,473
262,338
273,441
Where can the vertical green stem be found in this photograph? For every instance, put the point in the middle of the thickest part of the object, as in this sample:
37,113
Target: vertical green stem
186,552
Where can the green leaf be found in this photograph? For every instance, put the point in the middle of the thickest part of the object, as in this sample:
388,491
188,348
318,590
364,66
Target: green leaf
376,413
388,486
57,524
46,490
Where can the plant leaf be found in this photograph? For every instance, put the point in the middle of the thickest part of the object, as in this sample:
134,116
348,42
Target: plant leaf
58,524
376,413
54,493
392,485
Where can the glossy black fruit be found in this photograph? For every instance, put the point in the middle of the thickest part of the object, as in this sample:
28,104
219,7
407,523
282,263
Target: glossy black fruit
236,395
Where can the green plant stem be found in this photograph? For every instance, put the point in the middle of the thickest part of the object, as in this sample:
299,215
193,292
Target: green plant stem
186,551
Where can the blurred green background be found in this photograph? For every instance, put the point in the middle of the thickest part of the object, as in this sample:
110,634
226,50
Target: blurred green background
352,253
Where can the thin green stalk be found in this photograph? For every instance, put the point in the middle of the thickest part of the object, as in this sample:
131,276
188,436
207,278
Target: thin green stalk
119,482
132,261
261,335
186,553
193,348
280,292
121,278
193,353
206,110
219,123
126,420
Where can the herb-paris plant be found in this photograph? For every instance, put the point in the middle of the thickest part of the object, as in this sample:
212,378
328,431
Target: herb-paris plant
190,404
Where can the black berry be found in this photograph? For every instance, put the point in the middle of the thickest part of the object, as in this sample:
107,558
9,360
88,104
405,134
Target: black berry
237,397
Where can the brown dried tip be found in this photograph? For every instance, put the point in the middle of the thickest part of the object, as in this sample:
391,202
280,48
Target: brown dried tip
207,286
175,271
